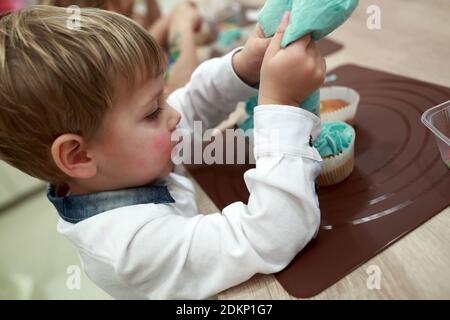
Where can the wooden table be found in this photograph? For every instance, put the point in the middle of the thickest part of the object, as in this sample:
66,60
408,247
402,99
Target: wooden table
414,41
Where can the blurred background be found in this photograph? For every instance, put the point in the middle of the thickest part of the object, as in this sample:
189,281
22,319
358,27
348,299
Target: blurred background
37,263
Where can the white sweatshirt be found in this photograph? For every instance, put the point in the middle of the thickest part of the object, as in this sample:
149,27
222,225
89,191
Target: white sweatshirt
170,251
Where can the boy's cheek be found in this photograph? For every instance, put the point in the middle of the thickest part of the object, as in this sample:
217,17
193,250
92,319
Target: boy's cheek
161,144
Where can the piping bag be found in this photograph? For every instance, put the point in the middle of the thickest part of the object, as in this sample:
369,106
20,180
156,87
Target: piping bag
315,17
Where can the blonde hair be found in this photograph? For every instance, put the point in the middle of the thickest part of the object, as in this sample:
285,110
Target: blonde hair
56,80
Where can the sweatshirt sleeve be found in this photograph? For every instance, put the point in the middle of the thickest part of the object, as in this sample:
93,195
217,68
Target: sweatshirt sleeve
212,93
177,257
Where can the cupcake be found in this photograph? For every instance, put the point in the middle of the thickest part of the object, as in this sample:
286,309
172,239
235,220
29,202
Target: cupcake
336,145
338,104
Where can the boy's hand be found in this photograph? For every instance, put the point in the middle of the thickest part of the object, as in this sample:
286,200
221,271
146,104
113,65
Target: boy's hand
247,62
289,76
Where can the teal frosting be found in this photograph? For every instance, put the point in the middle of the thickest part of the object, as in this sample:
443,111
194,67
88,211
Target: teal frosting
312,103
250,105
334,138
315,17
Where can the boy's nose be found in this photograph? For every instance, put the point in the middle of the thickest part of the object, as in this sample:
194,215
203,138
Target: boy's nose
174,119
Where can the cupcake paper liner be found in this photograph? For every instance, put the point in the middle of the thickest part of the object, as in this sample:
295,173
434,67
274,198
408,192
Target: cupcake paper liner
337,168
347,113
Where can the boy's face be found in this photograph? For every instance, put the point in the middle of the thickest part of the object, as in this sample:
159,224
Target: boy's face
133,146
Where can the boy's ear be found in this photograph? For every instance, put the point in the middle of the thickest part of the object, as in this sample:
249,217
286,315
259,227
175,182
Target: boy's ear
70,155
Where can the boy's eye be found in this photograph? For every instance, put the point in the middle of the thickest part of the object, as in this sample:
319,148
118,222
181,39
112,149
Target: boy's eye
154,115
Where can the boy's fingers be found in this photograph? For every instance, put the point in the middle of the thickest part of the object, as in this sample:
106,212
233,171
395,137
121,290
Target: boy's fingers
304,42
312,48
284,23
275,44
260,46
258,31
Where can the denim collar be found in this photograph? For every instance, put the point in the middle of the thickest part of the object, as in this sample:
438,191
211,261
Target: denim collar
76,208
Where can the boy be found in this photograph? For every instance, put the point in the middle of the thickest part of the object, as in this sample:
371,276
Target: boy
83,109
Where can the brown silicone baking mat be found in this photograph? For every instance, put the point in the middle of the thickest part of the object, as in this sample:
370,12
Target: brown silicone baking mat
327,46
399,181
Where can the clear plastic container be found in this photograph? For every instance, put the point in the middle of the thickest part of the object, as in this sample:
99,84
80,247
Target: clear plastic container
437,119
